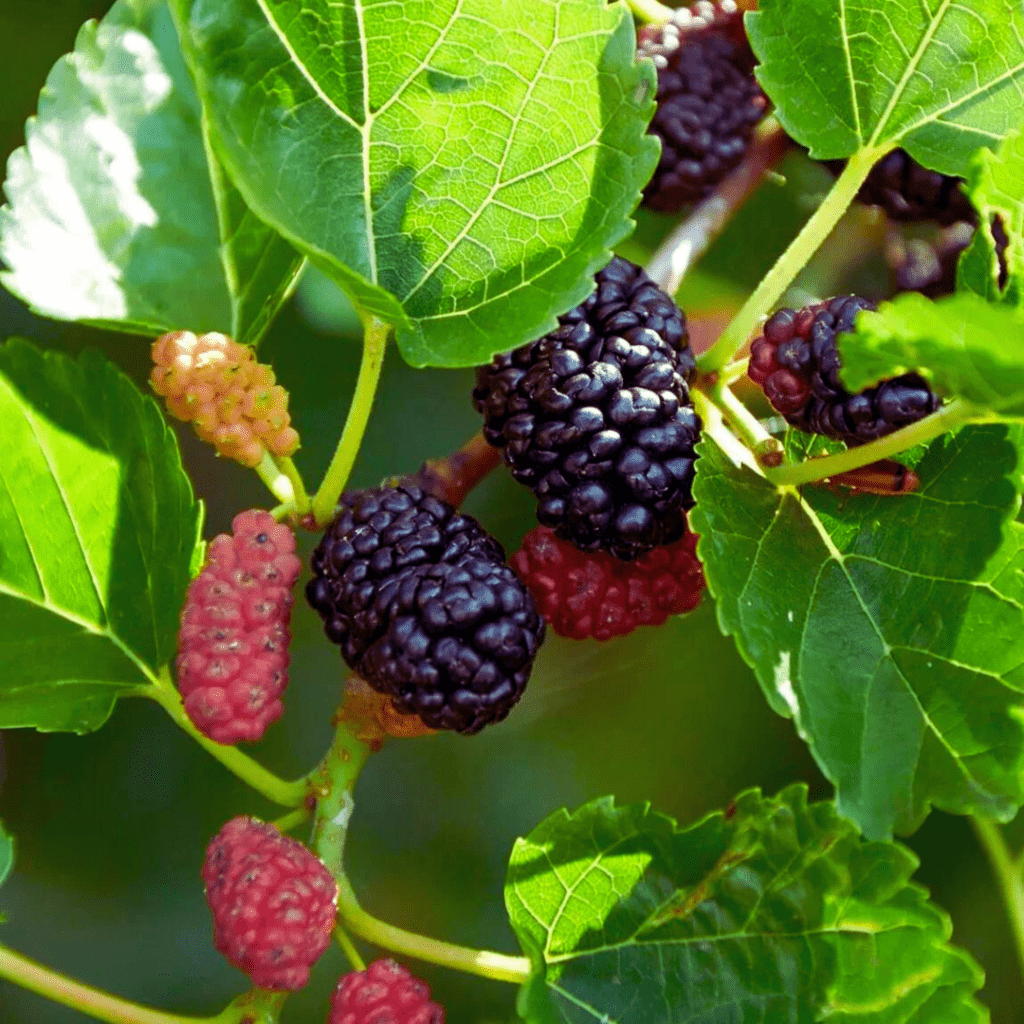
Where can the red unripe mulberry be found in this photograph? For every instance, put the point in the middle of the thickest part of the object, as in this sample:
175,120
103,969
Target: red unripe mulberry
385,993
233,642
596,595
274,903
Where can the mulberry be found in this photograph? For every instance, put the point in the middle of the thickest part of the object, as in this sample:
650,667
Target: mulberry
596,417
708,100
599,596
273,903
385,993
233,643
796,362
231,400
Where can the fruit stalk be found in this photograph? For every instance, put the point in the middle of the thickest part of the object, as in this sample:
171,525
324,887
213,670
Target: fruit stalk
453,477
768,293
650,11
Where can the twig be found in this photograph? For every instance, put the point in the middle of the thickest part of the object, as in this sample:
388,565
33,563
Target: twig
453,477
689,241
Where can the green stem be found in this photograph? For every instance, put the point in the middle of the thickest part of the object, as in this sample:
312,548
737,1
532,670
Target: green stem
714,426
278,483
273,787
292,820
375,336
483,962
650,11
94,1002
1008,876
743,421
349,949
290,470
955,414
791,262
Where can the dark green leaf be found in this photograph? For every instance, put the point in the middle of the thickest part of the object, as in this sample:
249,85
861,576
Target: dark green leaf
116,215
891,628
939,79
775,912
6,855
959,343
996,187
98,532
460,172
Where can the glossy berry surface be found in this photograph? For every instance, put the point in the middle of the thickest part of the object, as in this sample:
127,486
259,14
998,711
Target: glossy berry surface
385,993
796,362
273,903
598,596
596,417
424,608
233,642
708,100
230,399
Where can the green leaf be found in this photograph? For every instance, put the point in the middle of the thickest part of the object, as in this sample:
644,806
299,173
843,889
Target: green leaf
939,79
890,628
98,529
774,912
6,858
117,217
996,187
459,167
959,343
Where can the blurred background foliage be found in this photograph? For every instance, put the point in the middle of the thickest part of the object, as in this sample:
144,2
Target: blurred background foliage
111,827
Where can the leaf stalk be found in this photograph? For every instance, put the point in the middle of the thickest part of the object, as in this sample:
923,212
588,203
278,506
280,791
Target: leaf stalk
1008,876
375,336
955,414
767,294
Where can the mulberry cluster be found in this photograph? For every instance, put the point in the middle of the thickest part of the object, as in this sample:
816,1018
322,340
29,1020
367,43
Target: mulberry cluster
796,362
273,903
233,643
424,608
385,993
230,399
708,100
596,417
909,192
599,596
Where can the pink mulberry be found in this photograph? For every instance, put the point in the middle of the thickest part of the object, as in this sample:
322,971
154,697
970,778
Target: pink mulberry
233,642
273,902
385,993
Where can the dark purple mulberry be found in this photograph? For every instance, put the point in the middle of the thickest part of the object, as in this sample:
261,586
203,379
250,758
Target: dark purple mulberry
596,418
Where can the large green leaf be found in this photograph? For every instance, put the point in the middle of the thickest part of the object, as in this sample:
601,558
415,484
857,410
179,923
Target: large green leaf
940,78
966,346
98,534
996,187
460,167
890,628
774,912
117,216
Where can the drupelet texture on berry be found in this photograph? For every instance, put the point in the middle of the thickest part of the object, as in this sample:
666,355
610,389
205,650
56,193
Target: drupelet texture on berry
909,192
233,642
385,993
274,903
424,608
598,596
708,100
596,417
231,400
796,362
